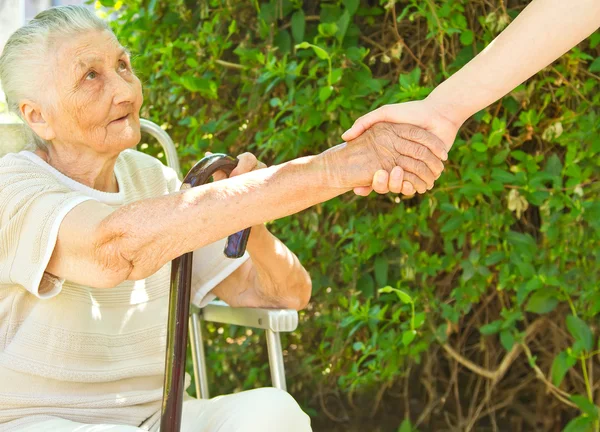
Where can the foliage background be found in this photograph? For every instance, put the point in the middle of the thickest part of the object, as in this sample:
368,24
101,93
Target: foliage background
496,326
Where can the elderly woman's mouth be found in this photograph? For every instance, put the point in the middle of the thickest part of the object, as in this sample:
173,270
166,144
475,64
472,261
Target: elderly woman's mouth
120,119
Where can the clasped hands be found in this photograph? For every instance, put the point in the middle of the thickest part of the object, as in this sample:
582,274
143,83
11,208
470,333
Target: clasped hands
418,133
397,148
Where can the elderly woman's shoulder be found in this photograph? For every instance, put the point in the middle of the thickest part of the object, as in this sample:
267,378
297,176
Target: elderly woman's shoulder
21,171
136,162
139,160
20,160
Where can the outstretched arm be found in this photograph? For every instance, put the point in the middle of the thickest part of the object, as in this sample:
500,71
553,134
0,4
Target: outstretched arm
542,32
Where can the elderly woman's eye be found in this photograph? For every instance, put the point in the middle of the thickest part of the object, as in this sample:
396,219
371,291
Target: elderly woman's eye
91,75
123,65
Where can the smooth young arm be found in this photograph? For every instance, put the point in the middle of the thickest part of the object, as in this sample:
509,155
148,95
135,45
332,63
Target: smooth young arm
542,32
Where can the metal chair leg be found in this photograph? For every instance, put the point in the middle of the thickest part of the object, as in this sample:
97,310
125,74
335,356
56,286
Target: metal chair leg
276,360
198,357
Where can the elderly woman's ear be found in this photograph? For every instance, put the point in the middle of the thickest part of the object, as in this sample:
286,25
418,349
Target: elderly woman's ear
33,115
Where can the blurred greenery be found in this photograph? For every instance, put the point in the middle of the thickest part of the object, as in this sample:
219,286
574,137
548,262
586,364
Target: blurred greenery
497,323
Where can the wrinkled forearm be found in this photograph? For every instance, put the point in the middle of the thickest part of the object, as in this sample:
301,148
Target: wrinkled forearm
149,233
542,32
278,278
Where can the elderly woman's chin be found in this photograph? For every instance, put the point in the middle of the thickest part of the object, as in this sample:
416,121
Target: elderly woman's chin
124,133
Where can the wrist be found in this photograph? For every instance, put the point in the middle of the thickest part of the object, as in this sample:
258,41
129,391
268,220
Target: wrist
258,235
448,107
343,168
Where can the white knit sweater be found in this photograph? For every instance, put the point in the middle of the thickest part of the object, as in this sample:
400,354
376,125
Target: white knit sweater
67,350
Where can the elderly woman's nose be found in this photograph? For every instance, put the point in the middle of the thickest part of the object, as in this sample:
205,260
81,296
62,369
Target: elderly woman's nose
123,90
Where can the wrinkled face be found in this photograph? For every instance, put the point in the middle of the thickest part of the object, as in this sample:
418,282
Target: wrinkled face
97,97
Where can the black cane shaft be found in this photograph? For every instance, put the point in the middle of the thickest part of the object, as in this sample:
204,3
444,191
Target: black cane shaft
179,301
177,328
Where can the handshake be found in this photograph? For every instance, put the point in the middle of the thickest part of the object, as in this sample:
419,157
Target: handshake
397,148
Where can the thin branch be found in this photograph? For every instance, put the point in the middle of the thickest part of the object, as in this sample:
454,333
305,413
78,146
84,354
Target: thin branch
230,65
401,40
508,359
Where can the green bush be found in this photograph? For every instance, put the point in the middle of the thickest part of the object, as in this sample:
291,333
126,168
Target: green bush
491,315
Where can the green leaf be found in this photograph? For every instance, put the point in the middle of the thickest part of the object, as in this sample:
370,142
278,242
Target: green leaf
585,405
268,12
366,285
595,39
580,332
324,93
351,5
595,66
507,339
298,26
358,346
542,302
579,424
480,147
404,298
191,62
452,224
554,165
283,41
491,328
381,270
419,319
342,26
320,52
494,258
203,86
410,80
232,27
327,29
466,37
560,366
503,176
408,336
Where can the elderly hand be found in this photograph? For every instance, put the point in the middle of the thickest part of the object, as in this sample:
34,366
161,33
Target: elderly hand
384,147
247,163
422,114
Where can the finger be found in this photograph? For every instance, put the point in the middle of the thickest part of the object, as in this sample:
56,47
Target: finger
380,182
384,113
247,162
422,153
419,185
219,175
417,168
363,191
408,189
421,136
396,178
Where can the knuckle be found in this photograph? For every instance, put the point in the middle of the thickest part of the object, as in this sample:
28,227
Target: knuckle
416,134
420,152
422,170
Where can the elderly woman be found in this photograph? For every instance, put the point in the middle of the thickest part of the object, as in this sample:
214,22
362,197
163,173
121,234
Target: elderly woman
88,228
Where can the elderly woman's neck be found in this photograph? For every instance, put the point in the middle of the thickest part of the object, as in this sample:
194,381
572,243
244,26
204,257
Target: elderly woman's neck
84,166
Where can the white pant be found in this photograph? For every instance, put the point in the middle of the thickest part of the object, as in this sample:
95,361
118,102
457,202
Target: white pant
260,410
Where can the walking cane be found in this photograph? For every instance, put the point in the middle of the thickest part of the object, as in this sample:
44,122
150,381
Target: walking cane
179,299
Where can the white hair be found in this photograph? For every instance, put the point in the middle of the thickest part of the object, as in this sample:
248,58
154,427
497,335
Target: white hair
24,54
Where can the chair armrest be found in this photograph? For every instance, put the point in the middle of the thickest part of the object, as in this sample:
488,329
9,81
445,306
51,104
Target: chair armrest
277,320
